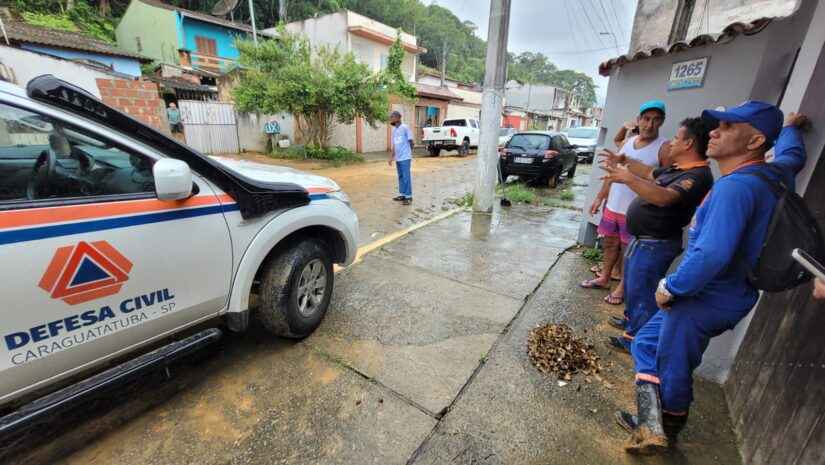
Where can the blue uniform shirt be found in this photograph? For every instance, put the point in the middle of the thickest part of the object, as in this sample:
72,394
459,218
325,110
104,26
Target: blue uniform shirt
401,137
729,229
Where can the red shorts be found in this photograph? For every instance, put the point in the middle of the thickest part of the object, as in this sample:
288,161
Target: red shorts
614,225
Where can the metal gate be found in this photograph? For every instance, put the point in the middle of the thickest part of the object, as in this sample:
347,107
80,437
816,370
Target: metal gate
209,127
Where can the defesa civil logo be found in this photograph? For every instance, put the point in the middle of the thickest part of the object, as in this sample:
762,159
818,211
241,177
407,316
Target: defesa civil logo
85,271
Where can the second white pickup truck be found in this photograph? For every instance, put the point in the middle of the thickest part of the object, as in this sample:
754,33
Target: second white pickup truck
454,134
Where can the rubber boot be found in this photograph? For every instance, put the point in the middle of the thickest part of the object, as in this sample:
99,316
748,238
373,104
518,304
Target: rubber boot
673,425
627,421
649,438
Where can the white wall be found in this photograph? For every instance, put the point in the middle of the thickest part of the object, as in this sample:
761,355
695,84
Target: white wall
459,110
354,19
28,65
251,135
332,30
329,29
375,139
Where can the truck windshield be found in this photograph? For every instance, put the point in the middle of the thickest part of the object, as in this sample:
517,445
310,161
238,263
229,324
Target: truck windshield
455,122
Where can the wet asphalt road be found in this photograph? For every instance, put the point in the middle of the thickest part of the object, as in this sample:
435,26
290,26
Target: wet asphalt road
420,360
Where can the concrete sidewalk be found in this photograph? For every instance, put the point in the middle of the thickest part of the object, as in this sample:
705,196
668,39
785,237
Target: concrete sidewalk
420,360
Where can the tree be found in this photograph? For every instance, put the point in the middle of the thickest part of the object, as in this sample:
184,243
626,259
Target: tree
575,84
318,86
393,78
532,68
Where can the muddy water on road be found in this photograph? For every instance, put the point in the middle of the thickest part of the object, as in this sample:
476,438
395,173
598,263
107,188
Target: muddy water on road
437,184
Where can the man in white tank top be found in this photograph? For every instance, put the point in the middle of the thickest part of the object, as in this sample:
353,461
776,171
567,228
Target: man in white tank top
649,148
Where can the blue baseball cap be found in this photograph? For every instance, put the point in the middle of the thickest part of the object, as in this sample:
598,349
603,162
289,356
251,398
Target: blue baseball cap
764,117
653,105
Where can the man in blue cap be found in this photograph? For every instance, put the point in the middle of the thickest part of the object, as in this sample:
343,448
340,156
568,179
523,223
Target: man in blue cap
709,292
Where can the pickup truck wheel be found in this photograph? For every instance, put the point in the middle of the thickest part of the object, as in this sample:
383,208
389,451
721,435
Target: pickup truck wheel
434,151
296,287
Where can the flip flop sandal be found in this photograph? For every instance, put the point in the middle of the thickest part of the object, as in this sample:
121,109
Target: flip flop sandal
595,269
613,300
593,284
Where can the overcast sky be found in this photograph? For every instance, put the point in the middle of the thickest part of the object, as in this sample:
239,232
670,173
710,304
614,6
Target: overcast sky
567,31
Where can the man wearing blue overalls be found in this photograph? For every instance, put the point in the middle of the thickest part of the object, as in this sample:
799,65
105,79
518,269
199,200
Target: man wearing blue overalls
709,293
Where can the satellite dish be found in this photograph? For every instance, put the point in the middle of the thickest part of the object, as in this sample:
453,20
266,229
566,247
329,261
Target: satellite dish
223,7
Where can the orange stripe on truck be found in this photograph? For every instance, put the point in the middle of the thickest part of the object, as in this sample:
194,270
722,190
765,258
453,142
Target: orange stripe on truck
37,216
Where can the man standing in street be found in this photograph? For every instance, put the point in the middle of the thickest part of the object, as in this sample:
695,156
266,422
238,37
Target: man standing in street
648,147
173,115
402,146
667,199
709,293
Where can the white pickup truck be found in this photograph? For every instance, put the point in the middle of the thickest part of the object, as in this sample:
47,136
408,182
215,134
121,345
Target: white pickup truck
123,250
454,134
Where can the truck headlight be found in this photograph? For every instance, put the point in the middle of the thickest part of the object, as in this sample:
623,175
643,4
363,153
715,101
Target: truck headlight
340,195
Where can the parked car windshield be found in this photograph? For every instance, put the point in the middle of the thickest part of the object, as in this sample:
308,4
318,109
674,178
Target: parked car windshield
455,122
583,133
529,142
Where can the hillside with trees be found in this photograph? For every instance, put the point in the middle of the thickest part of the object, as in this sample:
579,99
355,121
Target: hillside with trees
436,27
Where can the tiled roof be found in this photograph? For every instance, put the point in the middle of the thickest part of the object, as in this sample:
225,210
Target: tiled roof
26,33
199,16
728,34
443,93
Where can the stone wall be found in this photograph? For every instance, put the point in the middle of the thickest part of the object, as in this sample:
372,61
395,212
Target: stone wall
138,99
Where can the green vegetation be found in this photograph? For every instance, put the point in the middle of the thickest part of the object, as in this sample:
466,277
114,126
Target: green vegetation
336,155
82,17
535,68
567,195
317,85
518,193
465,201
592,254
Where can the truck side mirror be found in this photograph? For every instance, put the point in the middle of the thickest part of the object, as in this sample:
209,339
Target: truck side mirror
173,179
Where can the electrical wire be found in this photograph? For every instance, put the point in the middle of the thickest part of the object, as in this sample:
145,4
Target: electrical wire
592,26
608,27
614,8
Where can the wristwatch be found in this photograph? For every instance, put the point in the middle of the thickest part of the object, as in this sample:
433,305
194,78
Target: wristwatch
662,289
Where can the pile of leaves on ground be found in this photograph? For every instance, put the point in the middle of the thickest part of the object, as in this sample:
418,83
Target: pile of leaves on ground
554,349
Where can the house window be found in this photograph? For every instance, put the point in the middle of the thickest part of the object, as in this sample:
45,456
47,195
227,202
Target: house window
206,46
139,45
385,59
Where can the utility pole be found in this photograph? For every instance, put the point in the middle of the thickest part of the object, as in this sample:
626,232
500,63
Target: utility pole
491,103
252,16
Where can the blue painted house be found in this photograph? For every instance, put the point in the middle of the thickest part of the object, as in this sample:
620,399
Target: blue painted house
74,46
177,36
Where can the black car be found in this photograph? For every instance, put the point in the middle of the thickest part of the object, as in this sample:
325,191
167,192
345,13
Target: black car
538,155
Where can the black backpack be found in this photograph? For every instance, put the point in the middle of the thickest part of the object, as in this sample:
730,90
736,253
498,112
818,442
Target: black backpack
792,226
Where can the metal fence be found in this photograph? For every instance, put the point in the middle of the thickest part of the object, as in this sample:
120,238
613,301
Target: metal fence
209,127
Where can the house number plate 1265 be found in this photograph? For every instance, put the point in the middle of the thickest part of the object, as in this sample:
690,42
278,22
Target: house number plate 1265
688,74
